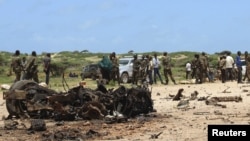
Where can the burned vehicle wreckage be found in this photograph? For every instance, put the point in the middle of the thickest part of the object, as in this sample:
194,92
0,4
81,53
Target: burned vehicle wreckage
27,99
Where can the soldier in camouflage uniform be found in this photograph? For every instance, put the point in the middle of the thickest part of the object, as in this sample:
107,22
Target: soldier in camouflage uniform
222,67
166,61
193,68
30,68
204,66
150,68
115,68
46,67
198,69
136,70
247,74
16,65
143,68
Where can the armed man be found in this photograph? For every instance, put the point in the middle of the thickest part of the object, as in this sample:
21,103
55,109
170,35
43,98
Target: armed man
143,69
16,65
198,65
166,60
30,68
115,68
136,70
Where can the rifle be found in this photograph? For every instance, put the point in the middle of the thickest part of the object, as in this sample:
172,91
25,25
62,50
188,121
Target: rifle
10,70
64,81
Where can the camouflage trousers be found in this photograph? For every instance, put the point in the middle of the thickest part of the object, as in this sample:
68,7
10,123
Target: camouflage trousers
115,75
31,76
247,75
18,76
135,77
168,72
198,76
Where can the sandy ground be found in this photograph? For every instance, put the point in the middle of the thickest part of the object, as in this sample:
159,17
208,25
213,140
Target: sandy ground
170,122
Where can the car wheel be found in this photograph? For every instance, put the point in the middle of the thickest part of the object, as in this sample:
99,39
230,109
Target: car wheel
16,106
83,77
124,78
93,76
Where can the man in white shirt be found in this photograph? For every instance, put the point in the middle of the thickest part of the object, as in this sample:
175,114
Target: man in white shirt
229,67
156,64
188,70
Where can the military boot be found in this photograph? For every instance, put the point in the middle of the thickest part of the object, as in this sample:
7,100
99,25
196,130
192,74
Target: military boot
166,83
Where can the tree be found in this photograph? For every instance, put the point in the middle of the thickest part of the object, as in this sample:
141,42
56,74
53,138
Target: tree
84,51
131,52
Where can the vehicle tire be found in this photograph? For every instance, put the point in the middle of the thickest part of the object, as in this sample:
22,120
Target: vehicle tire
93,77
15,107
83,77
124,78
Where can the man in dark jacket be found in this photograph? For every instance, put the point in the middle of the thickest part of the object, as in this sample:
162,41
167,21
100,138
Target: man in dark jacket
106,66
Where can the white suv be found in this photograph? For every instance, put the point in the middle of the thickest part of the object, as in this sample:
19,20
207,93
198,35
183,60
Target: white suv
126,69
243,67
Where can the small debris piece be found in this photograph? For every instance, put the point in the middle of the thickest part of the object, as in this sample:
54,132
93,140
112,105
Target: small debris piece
155,136
37,125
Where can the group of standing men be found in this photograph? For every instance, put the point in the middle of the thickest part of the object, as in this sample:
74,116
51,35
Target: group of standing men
145,67
150,66
109,68
27,69
200,68
226,66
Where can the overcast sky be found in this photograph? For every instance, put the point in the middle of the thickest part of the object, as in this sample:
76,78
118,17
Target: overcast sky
123,25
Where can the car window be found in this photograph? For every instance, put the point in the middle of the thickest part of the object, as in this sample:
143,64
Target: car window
123,62
92,68
86,68
243,62
132,62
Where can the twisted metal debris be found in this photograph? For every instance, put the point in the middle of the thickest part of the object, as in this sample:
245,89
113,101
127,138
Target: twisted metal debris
27,99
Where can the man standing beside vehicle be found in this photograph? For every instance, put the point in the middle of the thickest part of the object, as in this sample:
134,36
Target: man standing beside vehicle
106,66
136,70
143,69
115,68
